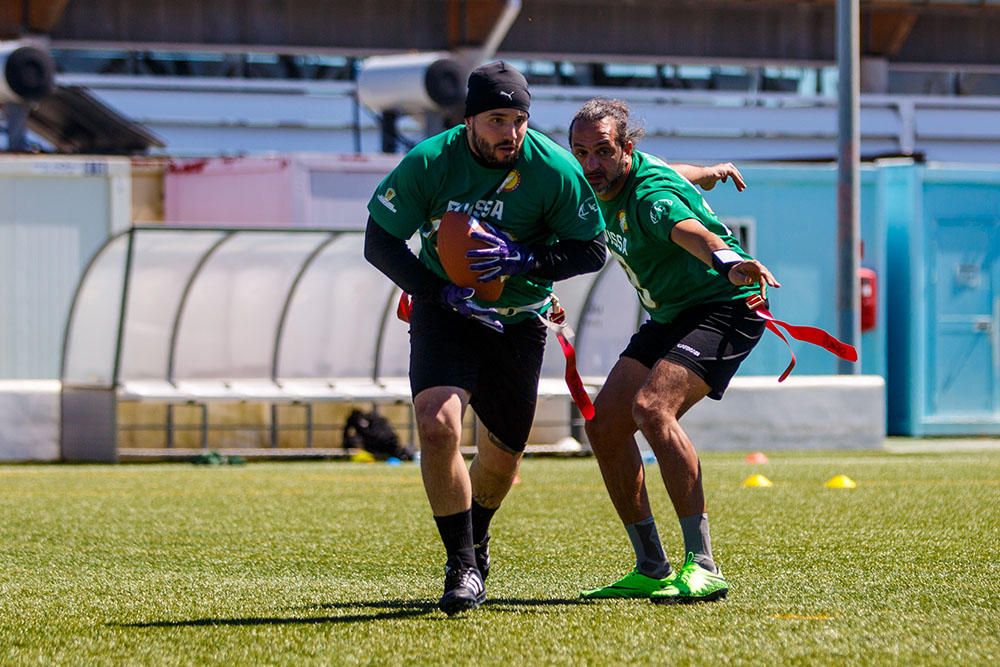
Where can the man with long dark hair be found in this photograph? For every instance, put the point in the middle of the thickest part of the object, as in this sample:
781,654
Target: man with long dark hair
693,280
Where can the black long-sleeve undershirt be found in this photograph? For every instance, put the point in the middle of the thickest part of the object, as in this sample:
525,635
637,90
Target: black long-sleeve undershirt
390,255
568,258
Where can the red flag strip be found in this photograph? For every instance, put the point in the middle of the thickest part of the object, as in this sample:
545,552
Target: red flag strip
405,307
806,334
573,381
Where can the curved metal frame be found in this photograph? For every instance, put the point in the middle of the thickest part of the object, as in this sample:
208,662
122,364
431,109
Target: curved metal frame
377,362
182,302
282,318
123,308
76,297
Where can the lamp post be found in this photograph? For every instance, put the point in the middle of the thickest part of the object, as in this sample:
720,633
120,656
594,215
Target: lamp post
848,179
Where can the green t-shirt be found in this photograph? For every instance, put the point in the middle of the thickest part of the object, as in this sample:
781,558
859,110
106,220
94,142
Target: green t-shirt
542,199
639,220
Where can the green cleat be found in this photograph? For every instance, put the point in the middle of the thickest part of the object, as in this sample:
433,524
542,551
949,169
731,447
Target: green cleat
635,584
693,583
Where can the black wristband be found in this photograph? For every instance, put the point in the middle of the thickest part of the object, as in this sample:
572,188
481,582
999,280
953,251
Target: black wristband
724,260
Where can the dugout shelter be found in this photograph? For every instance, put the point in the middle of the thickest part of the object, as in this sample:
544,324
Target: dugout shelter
192,318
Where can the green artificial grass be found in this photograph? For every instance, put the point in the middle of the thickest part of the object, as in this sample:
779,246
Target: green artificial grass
340,563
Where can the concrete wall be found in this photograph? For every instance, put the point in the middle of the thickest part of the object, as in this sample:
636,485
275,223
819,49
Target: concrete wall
805,412
759,414
29,420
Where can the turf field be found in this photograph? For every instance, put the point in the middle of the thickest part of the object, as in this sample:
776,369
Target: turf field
339,563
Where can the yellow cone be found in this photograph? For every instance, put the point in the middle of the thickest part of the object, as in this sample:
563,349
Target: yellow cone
755,481
362,457
841,482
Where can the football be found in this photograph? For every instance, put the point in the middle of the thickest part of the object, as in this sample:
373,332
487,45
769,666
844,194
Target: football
454,239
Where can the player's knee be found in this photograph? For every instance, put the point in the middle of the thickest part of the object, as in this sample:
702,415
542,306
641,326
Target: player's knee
435,428
649,410
499,465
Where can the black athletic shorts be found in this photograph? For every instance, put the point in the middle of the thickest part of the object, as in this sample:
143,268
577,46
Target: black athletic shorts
499,370
711,339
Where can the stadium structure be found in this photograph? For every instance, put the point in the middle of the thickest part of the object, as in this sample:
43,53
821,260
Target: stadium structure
174,144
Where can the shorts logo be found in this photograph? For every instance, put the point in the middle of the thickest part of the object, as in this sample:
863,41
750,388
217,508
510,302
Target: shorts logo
512,181
587,208
659,209
688,348
386,199
622,220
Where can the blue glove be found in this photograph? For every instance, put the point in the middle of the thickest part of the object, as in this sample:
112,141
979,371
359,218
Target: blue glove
503,257
460,300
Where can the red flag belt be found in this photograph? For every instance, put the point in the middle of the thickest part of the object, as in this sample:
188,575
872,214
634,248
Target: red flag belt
555,319
405,307
806,334
573,381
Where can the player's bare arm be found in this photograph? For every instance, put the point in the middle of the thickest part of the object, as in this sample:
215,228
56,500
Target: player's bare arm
707,177
709,248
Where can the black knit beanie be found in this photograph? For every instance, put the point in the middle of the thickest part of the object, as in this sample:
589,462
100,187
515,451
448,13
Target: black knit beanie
496,85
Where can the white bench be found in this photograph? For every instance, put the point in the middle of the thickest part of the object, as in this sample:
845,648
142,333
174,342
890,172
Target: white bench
301,392
200,394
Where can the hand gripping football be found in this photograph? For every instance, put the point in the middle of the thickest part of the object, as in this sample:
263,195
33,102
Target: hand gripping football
453,241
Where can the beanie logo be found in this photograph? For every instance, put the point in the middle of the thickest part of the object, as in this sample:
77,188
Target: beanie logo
509,96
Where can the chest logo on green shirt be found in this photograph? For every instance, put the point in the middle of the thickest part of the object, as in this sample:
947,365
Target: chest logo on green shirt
386,199
618,242
659,210
482,209
512,181
623,220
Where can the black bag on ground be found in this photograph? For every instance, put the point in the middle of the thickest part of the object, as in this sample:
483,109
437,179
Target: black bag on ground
373,433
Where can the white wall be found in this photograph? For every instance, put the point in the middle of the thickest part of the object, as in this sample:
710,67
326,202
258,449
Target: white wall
54,215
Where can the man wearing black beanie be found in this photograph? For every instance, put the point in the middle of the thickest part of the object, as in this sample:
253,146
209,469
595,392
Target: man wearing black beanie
496,87
542,224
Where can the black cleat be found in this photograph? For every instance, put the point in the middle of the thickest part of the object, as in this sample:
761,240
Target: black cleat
483,557
463,590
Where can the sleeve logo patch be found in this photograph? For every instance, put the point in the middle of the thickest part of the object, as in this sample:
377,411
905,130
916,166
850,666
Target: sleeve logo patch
659,209
386,199
587,208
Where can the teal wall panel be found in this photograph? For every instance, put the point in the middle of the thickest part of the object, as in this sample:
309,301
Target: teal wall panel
794,213
944,243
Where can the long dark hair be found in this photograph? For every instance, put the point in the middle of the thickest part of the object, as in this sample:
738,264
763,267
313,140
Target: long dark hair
600,108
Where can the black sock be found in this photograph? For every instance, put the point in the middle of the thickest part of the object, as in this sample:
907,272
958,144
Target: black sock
481,517
456,533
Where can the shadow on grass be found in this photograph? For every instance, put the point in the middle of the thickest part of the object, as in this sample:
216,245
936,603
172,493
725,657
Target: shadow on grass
497,604
512,604
383,610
